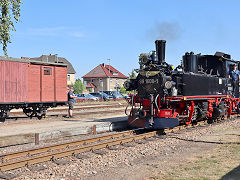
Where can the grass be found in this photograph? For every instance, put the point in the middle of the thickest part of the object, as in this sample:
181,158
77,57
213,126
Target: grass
210,166
223,162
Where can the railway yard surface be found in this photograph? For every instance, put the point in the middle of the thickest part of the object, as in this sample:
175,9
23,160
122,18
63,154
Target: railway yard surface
88,118
203,152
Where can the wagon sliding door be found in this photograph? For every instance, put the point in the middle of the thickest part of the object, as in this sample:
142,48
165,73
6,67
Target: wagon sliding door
47,83
13,82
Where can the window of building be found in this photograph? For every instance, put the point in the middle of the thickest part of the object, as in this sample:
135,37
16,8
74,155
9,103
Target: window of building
115,73
68,77
47,71
101,82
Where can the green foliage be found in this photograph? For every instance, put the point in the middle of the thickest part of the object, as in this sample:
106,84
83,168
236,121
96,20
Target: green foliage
132,75
78,86
10,12
123,90
91,90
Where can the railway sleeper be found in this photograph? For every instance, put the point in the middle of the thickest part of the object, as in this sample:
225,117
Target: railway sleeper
130,144
80,156
60,161
99,152
8,175
141,142
36,168
114,147
150,139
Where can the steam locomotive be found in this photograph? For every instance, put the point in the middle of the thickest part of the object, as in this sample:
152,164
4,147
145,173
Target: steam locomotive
198,89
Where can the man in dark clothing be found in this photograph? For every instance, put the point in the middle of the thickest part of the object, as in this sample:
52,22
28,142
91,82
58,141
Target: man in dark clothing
235,75
71,101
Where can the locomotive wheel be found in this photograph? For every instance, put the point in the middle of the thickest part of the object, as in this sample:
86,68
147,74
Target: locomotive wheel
194,122
40,117
210,121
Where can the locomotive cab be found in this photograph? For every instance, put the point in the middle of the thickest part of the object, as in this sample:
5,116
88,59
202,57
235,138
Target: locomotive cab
205,75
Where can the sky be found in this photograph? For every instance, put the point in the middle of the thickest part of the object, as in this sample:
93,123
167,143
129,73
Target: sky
88,32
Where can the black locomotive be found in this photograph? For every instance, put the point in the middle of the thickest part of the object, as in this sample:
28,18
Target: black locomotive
197,75
200,83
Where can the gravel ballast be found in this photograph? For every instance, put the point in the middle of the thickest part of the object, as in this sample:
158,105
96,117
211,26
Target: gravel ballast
152,160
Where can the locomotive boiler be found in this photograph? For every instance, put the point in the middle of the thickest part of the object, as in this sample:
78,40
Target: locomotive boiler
199,88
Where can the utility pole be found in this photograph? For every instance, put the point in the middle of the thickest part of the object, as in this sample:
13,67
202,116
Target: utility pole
109,73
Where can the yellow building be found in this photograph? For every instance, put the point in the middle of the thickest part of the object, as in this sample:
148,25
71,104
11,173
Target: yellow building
99,79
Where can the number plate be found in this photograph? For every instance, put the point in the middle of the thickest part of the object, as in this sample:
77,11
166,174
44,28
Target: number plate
148,81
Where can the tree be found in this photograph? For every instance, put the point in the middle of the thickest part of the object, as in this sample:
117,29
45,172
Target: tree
123,90
10,12
78,86
132,75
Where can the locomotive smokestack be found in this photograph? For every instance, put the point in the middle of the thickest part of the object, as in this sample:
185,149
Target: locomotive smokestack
160,48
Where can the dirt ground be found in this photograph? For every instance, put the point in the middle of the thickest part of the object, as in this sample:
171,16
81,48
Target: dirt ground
211,152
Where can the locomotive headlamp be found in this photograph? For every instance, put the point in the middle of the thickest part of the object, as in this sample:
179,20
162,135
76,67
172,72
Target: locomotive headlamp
126,84
168,84
145,60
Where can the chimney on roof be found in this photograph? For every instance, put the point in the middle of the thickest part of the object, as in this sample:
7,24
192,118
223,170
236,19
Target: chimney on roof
26,58
44,58
103,64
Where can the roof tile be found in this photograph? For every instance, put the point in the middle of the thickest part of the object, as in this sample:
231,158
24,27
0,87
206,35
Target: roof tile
103,71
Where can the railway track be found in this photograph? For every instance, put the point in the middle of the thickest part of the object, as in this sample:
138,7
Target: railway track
30,157
33,156
77,108
78,111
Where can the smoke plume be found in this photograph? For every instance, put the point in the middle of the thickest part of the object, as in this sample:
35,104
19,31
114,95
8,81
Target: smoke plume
164,30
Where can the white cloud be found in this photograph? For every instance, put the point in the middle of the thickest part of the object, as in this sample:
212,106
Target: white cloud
77,34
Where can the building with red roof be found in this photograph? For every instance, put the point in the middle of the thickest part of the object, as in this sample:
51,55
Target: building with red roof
104,78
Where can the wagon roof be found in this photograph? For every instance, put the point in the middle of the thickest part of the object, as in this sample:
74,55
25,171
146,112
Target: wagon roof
56,59
3,58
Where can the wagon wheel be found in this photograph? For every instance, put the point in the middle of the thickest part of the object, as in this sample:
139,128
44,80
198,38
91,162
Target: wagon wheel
41,113
2,119
29,112
4,114
40,117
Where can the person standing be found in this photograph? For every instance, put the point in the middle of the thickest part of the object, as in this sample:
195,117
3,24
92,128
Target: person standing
235,75
71,101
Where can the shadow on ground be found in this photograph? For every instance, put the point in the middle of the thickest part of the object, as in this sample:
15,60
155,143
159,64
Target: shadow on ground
200,141
232,175
122,118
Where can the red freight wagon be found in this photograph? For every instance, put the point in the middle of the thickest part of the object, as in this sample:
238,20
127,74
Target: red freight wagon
33,86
